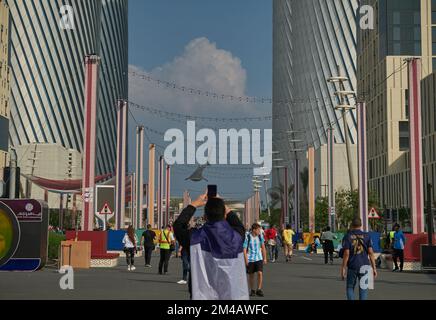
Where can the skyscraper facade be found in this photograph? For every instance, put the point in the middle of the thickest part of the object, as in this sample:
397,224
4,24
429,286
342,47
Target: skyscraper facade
4,86
312,40
404,29
48,44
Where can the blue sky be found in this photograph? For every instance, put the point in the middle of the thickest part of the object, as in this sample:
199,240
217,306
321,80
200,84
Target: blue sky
160,29
171,40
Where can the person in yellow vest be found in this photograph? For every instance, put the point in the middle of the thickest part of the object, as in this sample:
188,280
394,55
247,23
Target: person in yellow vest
288,233
391,238
166,245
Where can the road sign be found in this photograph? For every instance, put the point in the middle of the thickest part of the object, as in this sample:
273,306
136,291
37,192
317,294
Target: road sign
87,195
104,202
332,211
373,214
106,209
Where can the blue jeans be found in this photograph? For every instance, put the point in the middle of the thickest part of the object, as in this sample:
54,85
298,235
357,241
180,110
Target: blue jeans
272,252
353,278
186,266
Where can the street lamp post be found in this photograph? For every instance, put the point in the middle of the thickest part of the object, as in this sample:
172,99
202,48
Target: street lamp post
342,94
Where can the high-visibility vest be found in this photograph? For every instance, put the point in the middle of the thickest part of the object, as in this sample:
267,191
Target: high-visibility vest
165,239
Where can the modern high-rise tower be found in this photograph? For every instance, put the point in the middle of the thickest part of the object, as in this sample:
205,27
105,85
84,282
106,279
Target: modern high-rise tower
311,39
4,87
47,72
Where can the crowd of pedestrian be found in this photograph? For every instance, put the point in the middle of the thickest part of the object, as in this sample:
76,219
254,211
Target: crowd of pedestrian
221,260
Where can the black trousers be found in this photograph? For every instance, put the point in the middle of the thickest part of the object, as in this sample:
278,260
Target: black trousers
130,256
328,251
147,255
165,255
398,254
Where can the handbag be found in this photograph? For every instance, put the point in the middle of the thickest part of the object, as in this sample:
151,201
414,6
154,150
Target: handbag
271,242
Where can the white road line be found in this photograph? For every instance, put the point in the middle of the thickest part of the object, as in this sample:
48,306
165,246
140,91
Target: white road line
308,259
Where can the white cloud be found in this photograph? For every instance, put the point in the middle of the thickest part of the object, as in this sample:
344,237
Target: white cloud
201,66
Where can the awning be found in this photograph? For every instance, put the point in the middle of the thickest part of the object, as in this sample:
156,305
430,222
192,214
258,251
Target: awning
63,186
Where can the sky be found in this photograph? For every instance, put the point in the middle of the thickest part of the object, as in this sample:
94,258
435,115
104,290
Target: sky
217,46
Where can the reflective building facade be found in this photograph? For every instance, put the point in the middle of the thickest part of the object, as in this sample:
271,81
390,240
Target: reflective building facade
4,87
47,72
311,39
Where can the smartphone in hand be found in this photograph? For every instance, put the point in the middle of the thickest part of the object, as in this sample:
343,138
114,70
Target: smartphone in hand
212,191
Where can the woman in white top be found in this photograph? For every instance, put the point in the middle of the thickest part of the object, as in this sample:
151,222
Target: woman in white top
129,242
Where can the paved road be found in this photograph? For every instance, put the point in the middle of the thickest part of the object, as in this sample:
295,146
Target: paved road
305,278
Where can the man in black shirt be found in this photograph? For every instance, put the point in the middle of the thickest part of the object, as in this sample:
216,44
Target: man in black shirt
147,241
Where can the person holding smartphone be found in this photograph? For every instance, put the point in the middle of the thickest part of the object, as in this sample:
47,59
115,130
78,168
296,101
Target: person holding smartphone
217,267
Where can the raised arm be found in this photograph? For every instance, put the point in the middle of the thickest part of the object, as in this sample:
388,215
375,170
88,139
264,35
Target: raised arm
181,225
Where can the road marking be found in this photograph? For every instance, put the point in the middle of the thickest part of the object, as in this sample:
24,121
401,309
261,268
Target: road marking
308,259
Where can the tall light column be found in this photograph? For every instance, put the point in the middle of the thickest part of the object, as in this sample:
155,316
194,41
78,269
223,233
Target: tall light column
133,201
311,154
151,184
120,194
285,196
331,181
297,194
89,146
167,194
160,189
139,175
257,217
416,174
362,164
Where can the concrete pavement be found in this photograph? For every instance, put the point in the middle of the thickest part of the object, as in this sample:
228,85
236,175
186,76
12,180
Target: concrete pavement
306,277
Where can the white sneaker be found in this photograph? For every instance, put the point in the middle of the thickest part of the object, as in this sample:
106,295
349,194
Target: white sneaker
182,282
133,268
128,268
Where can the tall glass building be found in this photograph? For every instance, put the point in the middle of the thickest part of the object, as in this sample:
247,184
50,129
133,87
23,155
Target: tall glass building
311,39
47,72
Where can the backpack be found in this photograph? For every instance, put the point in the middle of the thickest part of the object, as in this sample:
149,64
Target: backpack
341,251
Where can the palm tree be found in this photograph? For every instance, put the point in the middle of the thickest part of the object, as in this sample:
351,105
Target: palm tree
276,194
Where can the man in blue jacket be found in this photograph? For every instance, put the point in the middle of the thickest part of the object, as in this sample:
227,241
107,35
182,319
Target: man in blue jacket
216,254
398,246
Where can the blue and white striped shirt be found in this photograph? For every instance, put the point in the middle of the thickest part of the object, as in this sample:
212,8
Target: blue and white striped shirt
254,252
